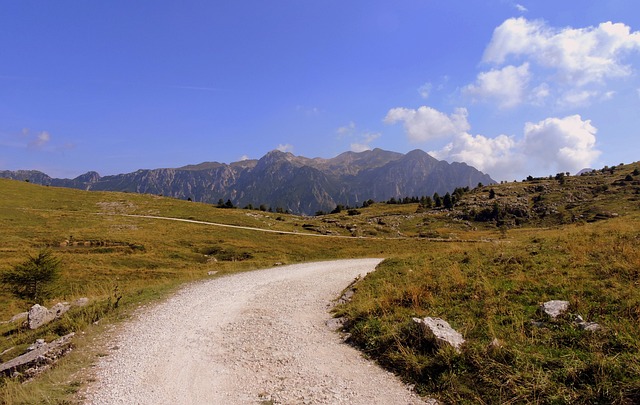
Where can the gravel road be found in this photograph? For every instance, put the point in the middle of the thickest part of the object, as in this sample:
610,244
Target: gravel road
252,338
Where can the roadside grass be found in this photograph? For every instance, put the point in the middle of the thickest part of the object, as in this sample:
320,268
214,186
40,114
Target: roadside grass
486,280
492,291
121,262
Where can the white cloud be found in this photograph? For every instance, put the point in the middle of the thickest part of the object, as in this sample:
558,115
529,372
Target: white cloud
363,143
491,155
561,144
579,55
577,97
539,94
347,129
40,141
244,157
425,90
427,123
506,85
521,8
285,147
550,146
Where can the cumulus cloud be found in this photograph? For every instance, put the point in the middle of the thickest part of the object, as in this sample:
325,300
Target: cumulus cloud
580,61
555,144
287,147
244,157
427,123
364,142
563,144
39,141
582,55
507,85
361,140
497,155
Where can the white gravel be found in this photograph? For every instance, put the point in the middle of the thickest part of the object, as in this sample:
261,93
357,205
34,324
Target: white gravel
252,338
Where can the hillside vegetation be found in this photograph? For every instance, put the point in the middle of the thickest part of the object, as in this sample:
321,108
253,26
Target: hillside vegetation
483,265
574,239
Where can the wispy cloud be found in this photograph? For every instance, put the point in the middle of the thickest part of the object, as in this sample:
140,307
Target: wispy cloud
425,90
521,8
287,147
348,129
364,143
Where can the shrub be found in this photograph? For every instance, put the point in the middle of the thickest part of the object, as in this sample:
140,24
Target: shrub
32,280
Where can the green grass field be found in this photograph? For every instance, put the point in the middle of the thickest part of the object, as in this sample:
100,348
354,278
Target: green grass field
575,239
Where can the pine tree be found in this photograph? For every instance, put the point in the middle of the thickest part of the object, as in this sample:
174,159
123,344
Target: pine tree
32,280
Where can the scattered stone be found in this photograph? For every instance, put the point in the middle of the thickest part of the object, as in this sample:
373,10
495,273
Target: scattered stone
589,326
554,308
38,344
17,317
335,324
584,325
211,273
346,297
37,360
441,332
38,316
60,309
80,302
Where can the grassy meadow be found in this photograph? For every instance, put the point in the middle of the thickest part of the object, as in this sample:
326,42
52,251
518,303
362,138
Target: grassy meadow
574,238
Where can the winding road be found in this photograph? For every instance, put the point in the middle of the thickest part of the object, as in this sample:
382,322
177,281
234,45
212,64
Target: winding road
258,337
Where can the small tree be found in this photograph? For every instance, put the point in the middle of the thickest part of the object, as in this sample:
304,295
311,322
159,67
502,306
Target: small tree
447,201
32,280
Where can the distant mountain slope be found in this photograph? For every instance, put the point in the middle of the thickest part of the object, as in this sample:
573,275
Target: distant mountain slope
283,180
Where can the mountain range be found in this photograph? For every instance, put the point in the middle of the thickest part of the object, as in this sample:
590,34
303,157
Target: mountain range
282,180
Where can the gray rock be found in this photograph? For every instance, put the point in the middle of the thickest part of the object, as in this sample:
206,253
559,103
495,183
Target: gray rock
38,359
211,273
441,332
335,324
38,344
589,326
80,302
38,316
554,308
60,309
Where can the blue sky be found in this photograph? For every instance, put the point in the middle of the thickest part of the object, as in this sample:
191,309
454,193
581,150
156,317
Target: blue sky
511,87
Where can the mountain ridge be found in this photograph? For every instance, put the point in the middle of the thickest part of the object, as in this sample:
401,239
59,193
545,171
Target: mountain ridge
283,180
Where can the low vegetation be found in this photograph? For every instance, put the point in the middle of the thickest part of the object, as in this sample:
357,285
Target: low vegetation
483,261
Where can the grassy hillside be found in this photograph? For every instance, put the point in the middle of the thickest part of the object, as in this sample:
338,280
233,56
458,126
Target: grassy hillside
106,255
484,266
577,240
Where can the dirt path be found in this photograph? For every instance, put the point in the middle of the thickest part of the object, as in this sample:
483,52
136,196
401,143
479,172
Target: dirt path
252,338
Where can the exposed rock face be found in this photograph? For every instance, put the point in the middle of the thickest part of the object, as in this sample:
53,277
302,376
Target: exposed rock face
282,180
554,308
441,332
